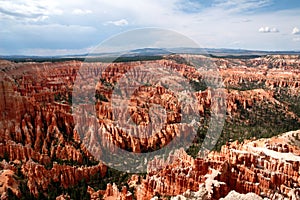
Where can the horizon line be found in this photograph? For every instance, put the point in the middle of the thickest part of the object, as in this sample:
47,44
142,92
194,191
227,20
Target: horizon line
160,48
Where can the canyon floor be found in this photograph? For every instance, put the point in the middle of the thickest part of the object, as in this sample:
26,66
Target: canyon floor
55,137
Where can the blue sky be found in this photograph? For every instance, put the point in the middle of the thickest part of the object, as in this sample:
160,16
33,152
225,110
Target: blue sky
43,27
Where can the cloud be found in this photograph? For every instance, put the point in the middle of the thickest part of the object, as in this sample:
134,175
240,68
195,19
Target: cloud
212,23
81,12
297,39
268,30
295,31
189,6
28,10
48,36
121,22
241,5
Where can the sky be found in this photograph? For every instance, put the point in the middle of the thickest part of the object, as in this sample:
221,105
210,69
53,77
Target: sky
56,27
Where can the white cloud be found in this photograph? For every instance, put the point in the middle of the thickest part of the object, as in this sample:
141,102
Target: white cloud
121,22
295,31
188,6
268,30
33,10
209,25
297,39
241,5
81,12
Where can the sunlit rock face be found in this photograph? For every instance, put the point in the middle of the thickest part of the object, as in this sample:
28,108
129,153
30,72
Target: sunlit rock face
40,143
266,167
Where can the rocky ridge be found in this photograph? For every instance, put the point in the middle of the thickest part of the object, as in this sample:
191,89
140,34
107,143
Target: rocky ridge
38,138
